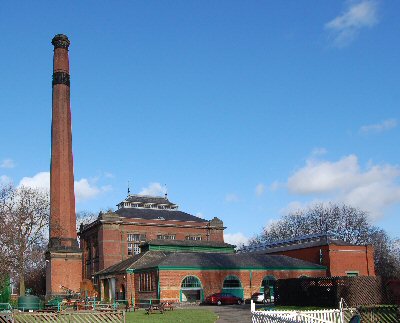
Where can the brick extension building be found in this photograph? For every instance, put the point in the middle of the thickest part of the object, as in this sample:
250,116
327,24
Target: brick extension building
339,257
177,275
116,236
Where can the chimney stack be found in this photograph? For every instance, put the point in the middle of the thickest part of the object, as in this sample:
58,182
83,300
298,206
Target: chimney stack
64,267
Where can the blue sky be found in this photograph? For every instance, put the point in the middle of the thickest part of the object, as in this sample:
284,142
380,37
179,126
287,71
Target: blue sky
244,109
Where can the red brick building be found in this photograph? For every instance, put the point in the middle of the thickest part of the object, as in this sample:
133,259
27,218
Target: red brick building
181,276
116,236
339,257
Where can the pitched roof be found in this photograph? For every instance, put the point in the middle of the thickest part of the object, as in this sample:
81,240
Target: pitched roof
200,260
324,241
236,261
121,266
140,260
299,242
148,199
158,214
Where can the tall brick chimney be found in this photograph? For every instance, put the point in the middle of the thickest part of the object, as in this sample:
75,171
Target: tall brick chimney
63,258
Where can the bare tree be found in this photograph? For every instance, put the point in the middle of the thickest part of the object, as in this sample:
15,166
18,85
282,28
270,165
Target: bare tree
24,228
350,224
85,217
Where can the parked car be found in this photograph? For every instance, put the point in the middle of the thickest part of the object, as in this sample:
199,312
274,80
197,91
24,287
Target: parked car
223,298
258,297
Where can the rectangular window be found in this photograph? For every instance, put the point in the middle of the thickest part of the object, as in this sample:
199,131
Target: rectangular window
166,236
193,237
133,237
134,242
146,282
352,273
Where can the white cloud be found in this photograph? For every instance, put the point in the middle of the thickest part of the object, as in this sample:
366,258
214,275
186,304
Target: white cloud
4,180
231,198
373,189
260,189
108,175
84,189
379,127
154,189
200,215
40,180
276,185
236,239
7,163
319,151
358,15
292,207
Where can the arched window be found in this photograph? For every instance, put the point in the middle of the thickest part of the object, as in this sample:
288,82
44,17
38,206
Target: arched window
268,281
191,282
268,288
232,282
191,290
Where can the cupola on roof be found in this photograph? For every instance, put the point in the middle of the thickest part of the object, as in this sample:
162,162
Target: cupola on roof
147,201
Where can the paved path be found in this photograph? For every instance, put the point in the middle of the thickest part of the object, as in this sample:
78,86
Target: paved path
231,313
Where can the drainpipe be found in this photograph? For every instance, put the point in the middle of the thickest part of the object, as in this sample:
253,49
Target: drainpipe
366,256
158,285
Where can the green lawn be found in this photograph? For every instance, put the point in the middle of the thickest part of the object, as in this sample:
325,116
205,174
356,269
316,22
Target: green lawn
177,315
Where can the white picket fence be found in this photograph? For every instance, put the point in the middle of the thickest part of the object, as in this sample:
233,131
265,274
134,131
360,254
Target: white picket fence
320,316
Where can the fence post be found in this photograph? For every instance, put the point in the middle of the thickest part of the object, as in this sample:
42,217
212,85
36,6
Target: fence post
341,313
252,306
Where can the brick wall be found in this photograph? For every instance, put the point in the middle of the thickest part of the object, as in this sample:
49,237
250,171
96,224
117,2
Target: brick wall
339,259
212,280
345,259
63,269
112,244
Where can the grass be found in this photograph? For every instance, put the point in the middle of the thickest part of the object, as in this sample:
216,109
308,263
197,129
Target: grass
177,315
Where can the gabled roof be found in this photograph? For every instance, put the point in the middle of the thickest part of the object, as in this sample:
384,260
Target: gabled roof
222,261
121,266
158,214
140,260
208,261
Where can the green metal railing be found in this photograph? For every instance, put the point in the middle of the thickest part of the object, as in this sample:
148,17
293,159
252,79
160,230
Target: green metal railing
5,307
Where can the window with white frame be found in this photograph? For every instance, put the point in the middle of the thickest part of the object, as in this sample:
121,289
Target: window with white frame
166,236
133,243
193,237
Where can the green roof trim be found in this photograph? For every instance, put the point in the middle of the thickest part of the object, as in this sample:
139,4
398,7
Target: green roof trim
131,271
239,269
191,249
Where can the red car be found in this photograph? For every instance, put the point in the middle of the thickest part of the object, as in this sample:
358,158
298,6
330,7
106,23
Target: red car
223,298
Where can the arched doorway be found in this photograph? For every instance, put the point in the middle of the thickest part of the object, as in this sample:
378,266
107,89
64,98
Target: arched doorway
268,285
232,285
191,290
